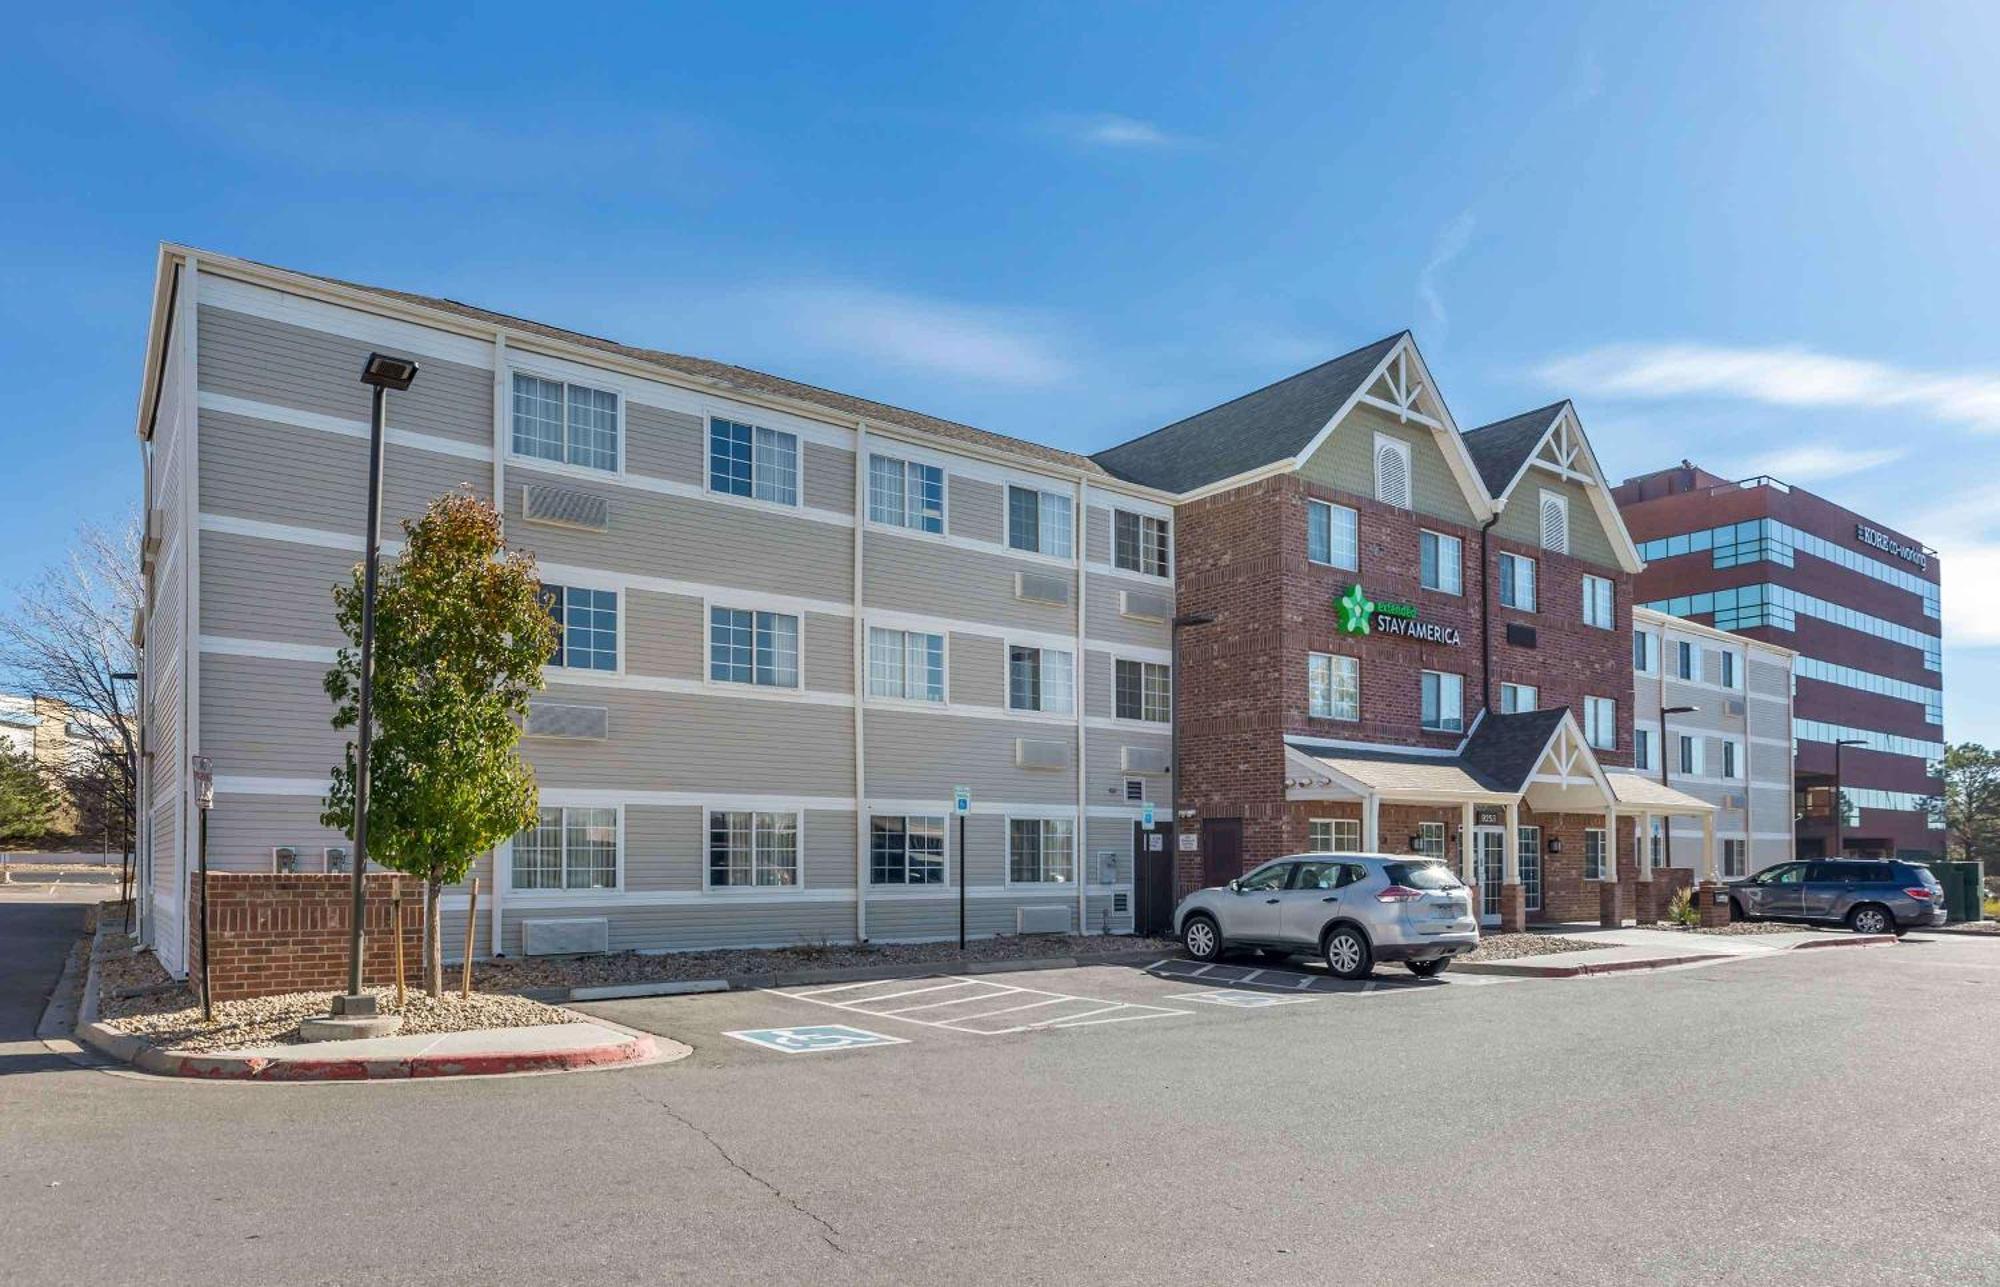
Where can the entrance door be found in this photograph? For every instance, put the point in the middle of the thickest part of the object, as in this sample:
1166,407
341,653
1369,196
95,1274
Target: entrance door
1489,856
1221,850
1152,879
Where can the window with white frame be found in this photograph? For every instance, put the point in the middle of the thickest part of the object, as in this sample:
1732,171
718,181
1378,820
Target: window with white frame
1598,607
1430,839
906,664
1392,471
1555,522
905,493
1040,679
1687,659
1139,543
1517,698
1333,686
1040,522
1732,859
750,460
1600,722
1332,535
905,850
568,849
1441,561
1517,582
1443,701
1593,853
570,424
748,848
1334,835
1690,754
1642,748
749,647
1645,651
1730,678
1041,851
586,627
1732,760
1142,690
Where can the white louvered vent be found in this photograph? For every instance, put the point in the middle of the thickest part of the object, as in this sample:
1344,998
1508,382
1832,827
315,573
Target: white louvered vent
1555,522
568,936
1147,604
1392,472
1041,587
1040,753
1142,759
564,507
568,720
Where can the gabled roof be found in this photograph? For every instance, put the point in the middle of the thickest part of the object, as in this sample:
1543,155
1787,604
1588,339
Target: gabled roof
1506,748
1503,447
1274,423
1638,791
1497,758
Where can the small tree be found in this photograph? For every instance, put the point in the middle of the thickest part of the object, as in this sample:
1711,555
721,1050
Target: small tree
28,797
461,635
1969,808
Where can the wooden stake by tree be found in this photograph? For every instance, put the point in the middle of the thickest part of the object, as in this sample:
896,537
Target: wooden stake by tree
461,635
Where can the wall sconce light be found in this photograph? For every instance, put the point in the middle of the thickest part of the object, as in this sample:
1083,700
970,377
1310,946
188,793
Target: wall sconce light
1555,844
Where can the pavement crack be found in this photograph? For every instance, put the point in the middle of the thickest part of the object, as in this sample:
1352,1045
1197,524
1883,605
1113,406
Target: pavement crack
827,1232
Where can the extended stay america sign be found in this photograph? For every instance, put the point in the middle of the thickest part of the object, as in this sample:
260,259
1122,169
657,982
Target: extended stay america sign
1360,615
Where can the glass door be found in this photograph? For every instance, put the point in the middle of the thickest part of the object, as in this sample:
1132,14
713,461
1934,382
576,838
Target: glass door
1490,862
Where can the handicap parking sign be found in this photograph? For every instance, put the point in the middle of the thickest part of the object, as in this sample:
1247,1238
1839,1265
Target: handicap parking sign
814,1038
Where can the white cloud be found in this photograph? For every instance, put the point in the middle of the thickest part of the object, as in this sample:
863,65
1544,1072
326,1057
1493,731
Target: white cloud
1810,463
1965,531
1107,130
991,345
1452,239
1782,377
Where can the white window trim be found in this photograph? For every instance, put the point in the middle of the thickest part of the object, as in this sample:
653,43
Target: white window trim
907,458
1642,761
1007,646
907,890
1697,665
1077,538
1334,658
1153,725
1333,505
799,440
1334,825
556,674
1654,650
1531,688
798,812
1727,660
1112,562
753,603
564,467
1507,582
1076,858
1402,449
1605,874
868,627
1731,748
1422,532
561,895
1588,703
1440,728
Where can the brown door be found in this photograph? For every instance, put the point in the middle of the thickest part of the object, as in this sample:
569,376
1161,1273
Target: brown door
1221,850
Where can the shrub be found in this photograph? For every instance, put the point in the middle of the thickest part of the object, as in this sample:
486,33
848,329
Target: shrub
1681,909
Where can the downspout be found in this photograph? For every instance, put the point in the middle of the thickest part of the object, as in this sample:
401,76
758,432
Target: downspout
1486,611
860,681
1080,538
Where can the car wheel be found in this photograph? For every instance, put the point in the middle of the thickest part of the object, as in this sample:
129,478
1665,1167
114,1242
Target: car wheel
1348,955
1201,938
1736,912
1871,918
1428,969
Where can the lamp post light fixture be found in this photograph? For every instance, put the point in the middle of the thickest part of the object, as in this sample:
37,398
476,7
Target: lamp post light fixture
1840,796
1667,823
381,373
1185,621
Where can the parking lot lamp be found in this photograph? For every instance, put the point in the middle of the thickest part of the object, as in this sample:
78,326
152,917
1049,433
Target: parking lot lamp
1667,821
1840,796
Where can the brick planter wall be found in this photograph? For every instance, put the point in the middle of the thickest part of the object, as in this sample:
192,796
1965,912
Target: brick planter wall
275,934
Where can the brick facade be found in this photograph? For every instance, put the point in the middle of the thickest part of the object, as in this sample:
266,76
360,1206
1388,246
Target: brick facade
277,934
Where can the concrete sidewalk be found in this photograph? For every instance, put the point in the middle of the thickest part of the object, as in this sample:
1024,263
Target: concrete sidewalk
1633,948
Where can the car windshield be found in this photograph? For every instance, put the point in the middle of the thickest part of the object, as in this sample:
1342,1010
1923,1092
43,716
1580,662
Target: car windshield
1421,875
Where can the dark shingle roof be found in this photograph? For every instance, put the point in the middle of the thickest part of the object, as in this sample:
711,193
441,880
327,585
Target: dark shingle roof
1271,424
1506,748
1500,449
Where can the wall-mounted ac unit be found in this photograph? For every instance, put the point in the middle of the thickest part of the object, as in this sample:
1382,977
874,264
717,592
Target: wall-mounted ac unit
1150,605
1043,920
1039,753
566,936
1142,759
1041,587
568,720
564,507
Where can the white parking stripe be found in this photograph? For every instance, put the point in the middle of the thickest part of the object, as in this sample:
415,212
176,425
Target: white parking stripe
910,992
1100,1009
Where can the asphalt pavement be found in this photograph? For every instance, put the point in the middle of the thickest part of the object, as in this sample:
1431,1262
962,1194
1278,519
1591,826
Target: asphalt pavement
1823,1116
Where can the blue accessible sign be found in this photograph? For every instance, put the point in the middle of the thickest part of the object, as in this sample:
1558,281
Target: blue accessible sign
814,1038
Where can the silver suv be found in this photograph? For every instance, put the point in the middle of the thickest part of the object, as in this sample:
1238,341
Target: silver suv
1355,909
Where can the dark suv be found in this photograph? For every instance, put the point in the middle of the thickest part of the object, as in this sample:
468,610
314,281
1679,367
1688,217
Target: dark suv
1868,895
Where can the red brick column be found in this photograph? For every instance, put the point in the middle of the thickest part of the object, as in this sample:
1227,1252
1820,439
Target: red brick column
1611,904
1513,909
1714,905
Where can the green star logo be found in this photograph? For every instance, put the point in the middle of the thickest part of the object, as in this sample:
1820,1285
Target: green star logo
1356,610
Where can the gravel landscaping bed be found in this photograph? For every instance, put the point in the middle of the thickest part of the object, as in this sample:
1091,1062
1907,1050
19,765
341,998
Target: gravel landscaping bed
634,967
1508,947
1734,927
136,996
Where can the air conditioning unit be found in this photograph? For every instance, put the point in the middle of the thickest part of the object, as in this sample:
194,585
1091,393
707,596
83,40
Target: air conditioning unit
1142,759
1041,587
1148,604
566,936
1042,920
568,720
285,860
1040,753
564,507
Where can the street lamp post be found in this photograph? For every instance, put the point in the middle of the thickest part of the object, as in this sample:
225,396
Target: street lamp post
381,373
1182,622
1840,796
1667,822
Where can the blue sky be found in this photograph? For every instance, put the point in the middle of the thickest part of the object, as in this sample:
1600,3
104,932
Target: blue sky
1759,236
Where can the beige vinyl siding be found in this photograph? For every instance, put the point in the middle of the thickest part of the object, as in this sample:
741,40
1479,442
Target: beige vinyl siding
664,847
1109,625
1346,462
243,829
1521,519
903,919
701,742
310,478
1097,534
665,635
1104,750
1772,678
665,444
776,921
267,361
828,642
757,547
166,839
919,755
267,718
828,481
278,591
976,668
917,576
975,509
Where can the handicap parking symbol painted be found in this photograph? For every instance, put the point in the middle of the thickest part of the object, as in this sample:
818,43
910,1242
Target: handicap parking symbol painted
814,1038
1239,1000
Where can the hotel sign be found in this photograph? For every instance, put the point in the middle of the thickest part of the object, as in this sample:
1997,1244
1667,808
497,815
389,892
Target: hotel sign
1890,545
1360,615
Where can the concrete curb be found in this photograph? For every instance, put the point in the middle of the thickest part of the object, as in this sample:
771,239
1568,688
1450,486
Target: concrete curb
1518,970
1959,930
857,974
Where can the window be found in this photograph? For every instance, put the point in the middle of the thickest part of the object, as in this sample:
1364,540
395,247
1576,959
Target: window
1040,679
568,849
1269,877
1555,522
1645,652
1731,753
746,647
1041,851
1331,536
586,627
1528,843
1593,854
1333,686
1442,558
750,460
1139,543
1430,840
1597,603
1443,702
752,849
1600,722
1039,522
1143,690
1642,748
567,423
1392,471
1516,698
905,663
1687,660
905,851
1690,756
1517,582
1732,860
1334,835
1729,675
904,493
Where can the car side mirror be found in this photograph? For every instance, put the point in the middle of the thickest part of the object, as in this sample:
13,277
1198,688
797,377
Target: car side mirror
1235,888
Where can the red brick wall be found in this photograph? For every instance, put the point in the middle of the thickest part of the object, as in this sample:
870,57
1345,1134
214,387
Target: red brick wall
275,934
1570,660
